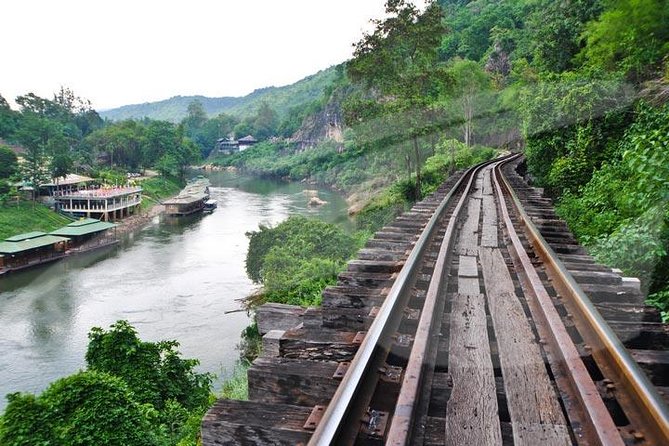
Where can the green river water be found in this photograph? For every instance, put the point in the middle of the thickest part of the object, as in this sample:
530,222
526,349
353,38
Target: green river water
173,279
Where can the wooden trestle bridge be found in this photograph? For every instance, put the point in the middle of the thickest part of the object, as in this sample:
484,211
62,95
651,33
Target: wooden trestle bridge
475,318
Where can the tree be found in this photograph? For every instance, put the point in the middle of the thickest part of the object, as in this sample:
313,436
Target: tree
553,33
35,133
265,122
470,84
631,36
399,61
8,162
196,116
8,119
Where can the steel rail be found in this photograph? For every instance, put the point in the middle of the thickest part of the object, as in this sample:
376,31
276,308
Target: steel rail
596,421
343,400
403,417
641,402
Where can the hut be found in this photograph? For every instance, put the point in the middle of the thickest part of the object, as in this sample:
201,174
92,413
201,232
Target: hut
82,231
246,142
32,248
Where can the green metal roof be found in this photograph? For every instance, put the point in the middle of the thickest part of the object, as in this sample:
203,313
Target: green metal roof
25,236
83,227
30,240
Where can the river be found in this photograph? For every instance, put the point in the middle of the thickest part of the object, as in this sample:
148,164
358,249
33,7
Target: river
173,279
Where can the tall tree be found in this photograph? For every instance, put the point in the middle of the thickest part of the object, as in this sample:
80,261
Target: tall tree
35,134
398,61
470,85
8,119
8,162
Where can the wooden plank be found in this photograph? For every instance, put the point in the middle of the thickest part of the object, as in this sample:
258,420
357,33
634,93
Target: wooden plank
489,236
489,226
487,182
536,415
441,392
292,381
472,411
489,210
469,285
468,238
318,344
468,267
246,422
273,316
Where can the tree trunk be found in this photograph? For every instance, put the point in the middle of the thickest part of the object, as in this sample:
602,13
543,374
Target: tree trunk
416,150
468,109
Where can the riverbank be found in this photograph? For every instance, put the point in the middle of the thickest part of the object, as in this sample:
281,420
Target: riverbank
25,216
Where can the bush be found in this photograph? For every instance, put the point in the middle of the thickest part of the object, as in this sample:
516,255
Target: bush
82,409
297,259
154,371
304,238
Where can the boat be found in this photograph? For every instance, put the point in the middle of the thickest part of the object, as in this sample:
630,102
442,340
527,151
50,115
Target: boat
209,206
191,199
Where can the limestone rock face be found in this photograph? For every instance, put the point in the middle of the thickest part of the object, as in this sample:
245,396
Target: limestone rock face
325,125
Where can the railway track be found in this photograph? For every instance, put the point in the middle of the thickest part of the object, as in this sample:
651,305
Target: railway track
461,324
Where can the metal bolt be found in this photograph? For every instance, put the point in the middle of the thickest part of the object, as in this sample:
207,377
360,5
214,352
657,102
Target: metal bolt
638,436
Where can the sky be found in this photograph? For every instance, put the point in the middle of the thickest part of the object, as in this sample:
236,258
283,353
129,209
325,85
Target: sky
133,51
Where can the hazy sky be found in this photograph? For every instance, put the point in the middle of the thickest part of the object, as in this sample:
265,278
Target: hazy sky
131,51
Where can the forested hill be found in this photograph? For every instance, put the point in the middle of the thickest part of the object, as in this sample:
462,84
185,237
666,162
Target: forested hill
582,87
282,100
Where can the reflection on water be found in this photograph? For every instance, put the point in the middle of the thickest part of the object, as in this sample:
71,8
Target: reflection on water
174,279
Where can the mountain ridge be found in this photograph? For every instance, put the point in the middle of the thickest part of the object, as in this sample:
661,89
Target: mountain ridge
282,99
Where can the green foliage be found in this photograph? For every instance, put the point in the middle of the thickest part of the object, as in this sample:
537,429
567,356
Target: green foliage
633,247
159,188
630,36
250,345
153,371
133,393
8,162
451,155
621,213
661,301
236,386
82,409
297,259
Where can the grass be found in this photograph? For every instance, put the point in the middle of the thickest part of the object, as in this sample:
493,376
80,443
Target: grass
236,387
26,216
158,188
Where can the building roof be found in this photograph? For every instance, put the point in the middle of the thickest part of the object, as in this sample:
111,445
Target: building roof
25,236
102,193
195,190
27,241
67,180
248,138
83,227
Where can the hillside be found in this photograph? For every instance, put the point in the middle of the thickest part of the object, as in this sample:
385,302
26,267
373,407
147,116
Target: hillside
282,100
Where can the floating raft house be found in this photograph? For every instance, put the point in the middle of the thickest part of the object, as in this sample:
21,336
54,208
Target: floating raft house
29,249
190,200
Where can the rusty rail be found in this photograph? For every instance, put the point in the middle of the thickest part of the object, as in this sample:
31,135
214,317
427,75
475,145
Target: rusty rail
333,427
642,404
